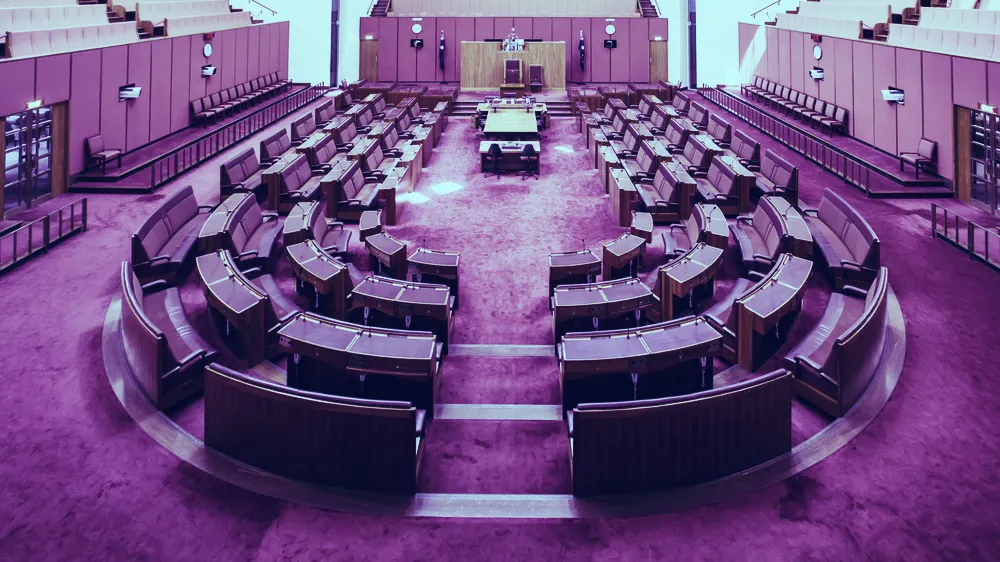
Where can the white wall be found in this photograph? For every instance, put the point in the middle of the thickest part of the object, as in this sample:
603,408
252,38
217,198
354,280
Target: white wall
351,12
718,35
309,34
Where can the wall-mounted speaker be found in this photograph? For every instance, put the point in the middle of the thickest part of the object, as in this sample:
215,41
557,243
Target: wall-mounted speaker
417,43
610,43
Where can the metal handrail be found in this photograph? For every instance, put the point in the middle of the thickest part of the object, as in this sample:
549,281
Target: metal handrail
269,9
852,169
753,15
952,231
179,160
47,236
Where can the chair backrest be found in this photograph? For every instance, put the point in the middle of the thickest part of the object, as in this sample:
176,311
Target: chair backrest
698,114
669,175
779,171
495,151
529,150
323,151
852,229
303,126
632,138
721,176
719,129
239,168
373,157
275,145
535,74
927,149
390,138
352,180
243,222
326,111
646,158
296,174
765,222
745,147
678,131
346,132
162,223
94,144
512,71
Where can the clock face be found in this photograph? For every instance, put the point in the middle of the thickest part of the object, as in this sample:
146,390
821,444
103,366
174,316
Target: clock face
610,29
207,50
817,52
417,28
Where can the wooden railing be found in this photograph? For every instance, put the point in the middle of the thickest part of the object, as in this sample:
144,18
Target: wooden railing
184,158
853,170
979,242
39,235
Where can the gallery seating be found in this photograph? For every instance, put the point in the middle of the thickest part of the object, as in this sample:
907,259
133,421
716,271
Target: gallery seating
22,44
802,106
746,150
162,348
680,238
307,222
164,241
874,15
720,131
339,441
847,29
668,195
848,246
298,182
925,157
643,445
250,312
778,177
98,154
834,364
231,99
242,174
275,146
177,26
761,237
726,184
356,193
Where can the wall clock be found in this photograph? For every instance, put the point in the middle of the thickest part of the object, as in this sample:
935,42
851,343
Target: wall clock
207,49
417,28
610,29
817,52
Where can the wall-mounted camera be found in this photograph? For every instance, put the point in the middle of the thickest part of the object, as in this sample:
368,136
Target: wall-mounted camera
816,73
208,70
417,43
610,43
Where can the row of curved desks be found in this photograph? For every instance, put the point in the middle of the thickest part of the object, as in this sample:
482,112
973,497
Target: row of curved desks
664,359
678,280
767,308
337,357
575,307
329,278
418,306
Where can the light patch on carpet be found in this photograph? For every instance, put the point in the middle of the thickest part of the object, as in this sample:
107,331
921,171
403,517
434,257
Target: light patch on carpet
565,148
446,187
415,198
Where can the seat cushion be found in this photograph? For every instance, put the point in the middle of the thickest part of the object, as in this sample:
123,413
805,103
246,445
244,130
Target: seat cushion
831,248
284,307
264,240
166,310
335,241
841,312
676,241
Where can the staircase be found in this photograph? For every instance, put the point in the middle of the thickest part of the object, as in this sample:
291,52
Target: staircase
381,9
468,108
648,9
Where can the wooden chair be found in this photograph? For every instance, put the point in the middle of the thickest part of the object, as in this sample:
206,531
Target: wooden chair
97,153
535,77
925,156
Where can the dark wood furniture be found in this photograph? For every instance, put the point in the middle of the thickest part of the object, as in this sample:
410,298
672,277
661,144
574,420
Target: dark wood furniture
599,305
678,284
163,243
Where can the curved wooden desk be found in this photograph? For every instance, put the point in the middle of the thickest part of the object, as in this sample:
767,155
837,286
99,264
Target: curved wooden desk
668,359
436,266
765,312
387,255
581,266
619,255
327,277
596,302
333,356
212,235
418,306
679,280
800,240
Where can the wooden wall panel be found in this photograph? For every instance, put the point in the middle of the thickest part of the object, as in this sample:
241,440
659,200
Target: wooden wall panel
796,61
884,76
784,57
864,107
387,40
970,91
484,29
939,109
600,58
482,64
910,116
638,51
773,62
844,61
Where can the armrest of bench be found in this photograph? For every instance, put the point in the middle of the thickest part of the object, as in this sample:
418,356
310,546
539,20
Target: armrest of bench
268,217
157,285
152,261
856,291
208,208
191,358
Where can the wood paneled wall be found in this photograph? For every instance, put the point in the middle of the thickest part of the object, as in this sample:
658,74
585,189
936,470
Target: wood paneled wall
857,71
524,8
629,62
483,64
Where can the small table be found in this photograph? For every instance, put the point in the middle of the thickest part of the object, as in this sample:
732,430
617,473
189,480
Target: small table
511,123
619,255
387,254
511,89
511,154
572,268
642,226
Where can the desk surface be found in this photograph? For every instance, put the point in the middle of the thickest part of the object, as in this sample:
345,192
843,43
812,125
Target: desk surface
774,293
538,106
311,262
684,334
509,147
604,292
624,245
224,281
406,292
439,259
333,334
695,262
511,122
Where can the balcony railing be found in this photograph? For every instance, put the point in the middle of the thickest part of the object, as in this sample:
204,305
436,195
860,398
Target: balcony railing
39,235
979,242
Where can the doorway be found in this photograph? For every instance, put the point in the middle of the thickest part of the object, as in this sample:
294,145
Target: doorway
984,155
28,158
368,69
657,61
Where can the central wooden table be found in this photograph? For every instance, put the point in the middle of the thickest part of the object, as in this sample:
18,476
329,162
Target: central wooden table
511,123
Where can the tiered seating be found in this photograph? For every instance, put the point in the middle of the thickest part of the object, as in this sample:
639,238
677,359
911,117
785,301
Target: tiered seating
720,131
726,184
306,222
777,176
800,105
848,246
682,237
667,196
298,182
698,154
239,226
356,193
955,19
238,97
302,127
187,18
836,361
871,14
177,26
164,351
952,42
36,17
51,41
242,174
164,241
275,146
761,236
848,29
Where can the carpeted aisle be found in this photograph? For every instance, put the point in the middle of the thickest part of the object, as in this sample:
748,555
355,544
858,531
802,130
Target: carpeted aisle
81,481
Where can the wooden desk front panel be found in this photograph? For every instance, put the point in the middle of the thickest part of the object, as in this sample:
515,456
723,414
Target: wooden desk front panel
482,63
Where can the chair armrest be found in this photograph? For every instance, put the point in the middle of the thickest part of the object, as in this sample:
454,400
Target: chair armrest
394,153
763,259
153,261
157,285
663,202
252,273
755,275
813,212
352,201
191,358
677,226
645,180
298,142
346,147
247,254
809,363
336,225
699,175
269,216
373,179
380,176
856,291
902,153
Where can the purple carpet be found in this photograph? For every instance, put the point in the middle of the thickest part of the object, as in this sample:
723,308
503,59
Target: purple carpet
82,481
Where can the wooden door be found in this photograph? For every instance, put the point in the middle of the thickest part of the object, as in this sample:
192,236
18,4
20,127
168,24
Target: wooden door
657,61
368,67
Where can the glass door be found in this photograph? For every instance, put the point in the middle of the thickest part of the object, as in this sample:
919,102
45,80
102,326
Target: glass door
27,159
